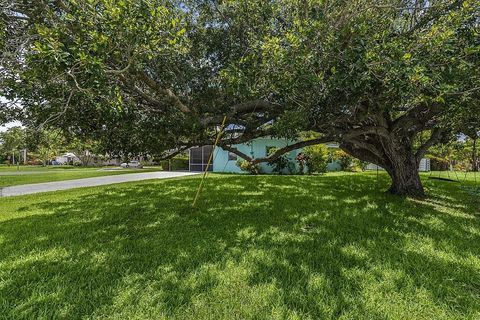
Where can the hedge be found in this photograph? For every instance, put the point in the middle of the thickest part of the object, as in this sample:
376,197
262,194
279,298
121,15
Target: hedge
175,164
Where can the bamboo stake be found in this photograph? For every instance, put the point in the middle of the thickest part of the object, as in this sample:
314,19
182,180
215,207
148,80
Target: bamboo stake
200,187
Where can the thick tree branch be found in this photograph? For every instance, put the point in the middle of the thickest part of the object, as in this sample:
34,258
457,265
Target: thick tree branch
434,138
292,147
376,130
120,71
251,106
175,152
236,151
131,87
364,144
416,118
167,93
362,153
236,111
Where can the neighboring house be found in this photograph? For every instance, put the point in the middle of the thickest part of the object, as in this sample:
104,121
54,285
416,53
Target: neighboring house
224,161
423,167
112,162
67,158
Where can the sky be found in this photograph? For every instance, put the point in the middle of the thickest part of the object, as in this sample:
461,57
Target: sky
9,125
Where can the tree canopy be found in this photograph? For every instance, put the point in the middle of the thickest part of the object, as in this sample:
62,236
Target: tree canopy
159,75
12,141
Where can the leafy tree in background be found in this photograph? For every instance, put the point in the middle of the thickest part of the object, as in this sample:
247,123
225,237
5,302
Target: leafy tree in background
12,142
461,144
441,156
468,123
49,143
344,159
470,148
160,75
85,150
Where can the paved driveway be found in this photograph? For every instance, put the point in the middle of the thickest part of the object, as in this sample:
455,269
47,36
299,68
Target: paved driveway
87,182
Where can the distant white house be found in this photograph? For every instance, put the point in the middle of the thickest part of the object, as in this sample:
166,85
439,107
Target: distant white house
67,158
423,167
112,162
333,166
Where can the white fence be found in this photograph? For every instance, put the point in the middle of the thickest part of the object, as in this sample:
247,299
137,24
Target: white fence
423,167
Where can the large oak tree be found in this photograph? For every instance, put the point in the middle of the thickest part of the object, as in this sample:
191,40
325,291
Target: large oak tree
373,77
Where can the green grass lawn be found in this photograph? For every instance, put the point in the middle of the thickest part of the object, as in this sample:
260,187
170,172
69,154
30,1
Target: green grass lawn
454,175
257,247
5,168
31,174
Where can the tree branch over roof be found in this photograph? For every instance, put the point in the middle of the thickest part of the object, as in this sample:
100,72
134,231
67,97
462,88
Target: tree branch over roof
236,151
292,147
172,153
237,111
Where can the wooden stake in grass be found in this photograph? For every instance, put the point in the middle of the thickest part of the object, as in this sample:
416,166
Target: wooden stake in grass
200,187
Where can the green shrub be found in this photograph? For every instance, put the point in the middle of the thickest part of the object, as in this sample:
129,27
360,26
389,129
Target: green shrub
316,158
292,168
163,164
349,163
281,163
344,159
359,165
438,163
176,163
249,167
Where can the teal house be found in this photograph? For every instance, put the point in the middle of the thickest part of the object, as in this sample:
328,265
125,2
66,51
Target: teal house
224,161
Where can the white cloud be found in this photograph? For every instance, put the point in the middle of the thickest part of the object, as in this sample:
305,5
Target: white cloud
9,125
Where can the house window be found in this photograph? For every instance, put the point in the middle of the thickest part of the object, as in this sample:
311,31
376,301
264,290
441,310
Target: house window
269,150
232,156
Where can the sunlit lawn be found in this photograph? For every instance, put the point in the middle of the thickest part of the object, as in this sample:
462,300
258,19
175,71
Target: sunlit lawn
10,176
460,176
257,247
14,168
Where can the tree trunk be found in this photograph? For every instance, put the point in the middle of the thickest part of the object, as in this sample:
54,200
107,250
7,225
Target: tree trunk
405,177
398,159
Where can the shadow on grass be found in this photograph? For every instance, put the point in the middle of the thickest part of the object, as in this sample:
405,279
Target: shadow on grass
320,247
